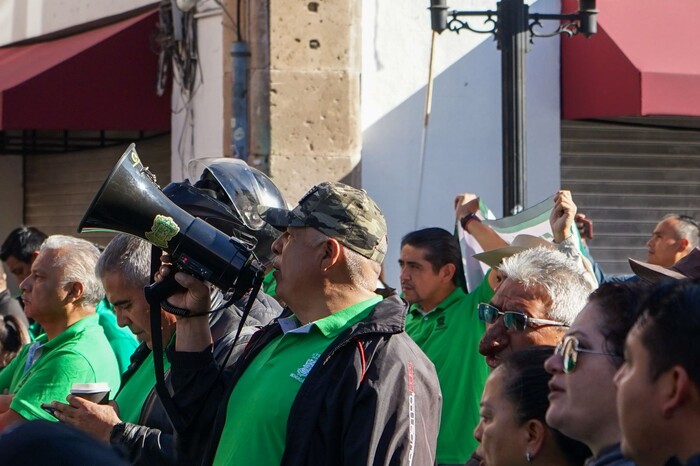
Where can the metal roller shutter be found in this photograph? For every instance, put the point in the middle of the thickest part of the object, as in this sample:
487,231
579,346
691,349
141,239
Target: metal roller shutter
59,187
625,176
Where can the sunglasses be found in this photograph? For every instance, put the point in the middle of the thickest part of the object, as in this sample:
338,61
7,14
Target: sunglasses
513,320
569,349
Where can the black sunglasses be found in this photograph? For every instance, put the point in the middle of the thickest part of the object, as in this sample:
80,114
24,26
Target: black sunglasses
513,320
569,349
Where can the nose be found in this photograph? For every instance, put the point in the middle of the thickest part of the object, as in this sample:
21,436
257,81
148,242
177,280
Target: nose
479,431
25,285
650,241
495,338
277,244
553,364
122,320
404,276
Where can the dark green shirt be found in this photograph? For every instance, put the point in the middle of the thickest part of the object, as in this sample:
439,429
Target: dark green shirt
449,335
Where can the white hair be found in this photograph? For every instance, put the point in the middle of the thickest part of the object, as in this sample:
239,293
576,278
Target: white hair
77,259
556,274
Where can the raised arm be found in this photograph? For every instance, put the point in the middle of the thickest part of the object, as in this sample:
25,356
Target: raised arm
466,207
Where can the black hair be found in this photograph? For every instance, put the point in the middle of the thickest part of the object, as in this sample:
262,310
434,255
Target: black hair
526,386
670,325
441,248
21,244
619,303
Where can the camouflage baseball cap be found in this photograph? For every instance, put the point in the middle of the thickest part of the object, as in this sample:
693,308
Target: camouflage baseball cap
337,210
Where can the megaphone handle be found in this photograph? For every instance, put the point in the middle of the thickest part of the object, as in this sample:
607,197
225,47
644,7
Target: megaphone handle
158,292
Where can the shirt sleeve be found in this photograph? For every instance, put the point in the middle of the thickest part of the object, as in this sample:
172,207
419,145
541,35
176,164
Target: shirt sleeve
51,382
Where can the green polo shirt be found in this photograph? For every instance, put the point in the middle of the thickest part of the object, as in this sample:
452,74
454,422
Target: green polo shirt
44,371
135,391
269,284
121,339
449,335
259,405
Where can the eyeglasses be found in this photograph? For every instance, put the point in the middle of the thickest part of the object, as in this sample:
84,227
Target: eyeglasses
568,349
513,320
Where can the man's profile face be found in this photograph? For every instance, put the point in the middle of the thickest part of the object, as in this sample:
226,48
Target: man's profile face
297,262
18,268
420,282
637,408
664,246
533,302
130,305
43,291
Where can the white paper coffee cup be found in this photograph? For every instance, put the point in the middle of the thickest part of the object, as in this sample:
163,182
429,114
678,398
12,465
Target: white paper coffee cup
97,392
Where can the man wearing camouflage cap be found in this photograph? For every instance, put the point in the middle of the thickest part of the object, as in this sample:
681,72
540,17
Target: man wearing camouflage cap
335,380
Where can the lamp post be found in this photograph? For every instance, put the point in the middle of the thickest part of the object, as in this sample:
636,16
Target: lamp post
514,28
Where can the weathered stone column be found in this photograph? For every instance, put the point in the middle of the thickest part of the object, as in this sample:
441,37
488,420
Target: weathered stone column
314,93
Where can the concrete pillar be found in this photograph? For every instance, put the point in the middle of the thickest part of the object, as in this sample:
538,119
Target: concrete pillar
314,93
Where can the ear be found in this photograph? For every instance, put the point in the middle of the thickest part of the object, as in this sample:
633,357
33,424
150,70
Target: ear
331,254
447,271
535,432
75,292
675,389
683,244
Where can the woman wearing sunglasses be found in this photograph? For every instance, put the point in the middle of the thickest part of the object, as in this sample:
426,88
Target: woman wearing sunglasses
582,392
512,430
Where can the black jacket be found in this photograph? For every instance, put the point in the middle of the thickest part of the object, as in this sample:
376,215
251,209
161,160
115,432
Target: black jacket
150,442
371,399
610,456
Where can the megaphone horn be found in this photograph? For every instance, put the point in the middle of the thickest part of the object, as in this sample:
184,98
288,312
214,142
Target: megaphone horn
131,202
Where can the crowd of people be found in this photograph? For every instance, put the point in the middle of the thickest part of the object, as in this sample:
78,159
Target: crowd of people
548,361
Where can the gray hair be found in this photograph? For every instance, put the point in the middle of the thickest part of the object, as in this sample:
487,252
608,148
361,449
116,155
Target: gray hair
363,272
77,259
559,277
130,257
687,228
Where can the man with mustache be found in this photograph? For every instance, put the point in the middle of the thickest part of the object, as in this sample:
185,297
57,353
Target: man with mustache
60,293
542,294
443,321
335,380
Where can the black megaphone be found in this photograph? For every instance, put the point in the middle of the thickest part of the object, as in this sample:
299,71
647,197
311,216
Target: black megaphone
130,201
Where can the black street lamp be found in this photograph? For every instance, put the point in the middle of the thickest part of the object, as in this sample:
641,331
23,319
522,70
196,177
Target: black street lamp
514,28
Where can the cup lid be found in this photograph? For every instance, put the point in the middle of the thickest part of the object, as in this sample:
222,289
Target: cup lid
96,387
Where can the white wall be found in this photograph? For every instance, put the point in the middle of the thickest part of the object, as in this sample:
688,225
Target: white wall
198,126
23,19
463,146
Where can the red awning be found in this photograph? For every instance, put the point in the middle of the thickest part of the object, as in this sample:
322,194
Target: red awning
100,79
645,60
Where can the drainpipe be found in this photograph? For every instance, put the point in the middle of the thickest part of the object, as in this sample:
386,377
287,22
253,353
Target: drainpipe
240,57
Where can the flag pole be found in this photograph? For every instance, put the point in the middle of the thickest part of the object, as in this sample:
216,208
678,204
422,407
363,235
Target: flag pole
426,121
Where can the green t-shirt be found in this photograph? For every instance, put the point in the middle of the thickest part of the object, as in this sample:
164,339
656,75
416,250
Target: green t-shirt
44,371
269,284
122,341
134,393
449,336
261,401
